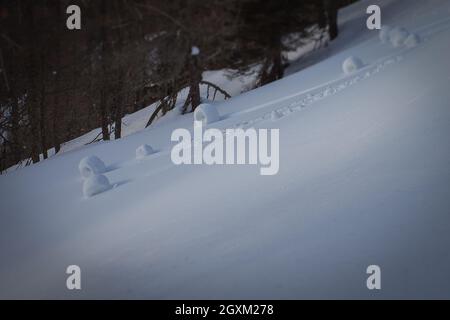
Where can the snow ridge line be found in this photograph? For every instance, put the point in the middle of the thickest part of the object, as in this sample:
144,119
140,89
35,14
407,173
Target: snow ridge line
318,93
433,28
333,87
313,95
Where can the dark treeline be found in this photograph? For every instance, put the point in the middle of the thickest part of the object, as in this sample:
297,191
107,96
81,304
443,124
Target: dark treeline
57,84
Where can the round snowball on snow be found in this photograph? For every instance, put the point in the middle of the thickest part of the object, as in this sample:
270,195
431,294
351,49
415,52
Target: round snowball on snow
143,151
91,165
412,41
352,64
397,36
95,184
206,114
276,115
384,34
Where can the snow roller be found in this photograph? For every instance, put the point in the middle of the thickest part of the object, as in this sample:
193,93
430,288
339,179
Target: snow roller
90,166
206,114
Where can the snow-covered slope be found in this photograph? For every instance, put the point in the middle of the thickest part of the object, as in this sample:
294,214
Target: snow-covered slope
364,180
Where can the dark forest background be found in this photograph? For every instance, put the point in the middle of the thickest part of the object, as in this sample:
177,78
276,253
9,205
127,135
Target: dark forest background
57,84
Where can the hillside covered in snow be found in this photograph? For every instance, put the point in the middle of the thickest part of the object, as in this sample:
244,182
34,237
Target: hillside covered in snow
364,179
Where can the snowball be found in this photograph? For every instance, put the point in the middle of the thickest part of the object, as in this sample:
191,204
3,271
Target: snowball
195,51
352,64
384,34
91,165
397,36
95,184
412,41
206,113
143,151
276,115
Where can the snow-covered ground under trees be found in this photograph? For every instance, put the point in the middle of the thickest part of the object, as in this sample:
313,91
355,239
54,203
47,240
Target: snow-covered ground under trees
364,180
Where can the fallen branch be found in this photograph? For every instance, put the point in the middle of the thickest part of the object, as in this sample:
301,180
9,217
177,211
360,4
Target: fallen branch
217,88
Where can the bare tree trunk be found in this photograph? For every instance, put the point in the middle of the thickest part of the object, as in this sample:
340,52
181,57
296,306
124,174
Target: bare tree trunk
55,127
16,149
15,143
31,101
322,14
34,127
42,118
278,68
195,77
118,128
273,68
331,7
103,93
56,139
104,116
57,78
118,109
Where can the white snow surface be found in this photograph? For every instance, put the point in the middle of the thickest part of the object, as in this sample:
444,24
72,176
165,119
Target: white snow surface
364,180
